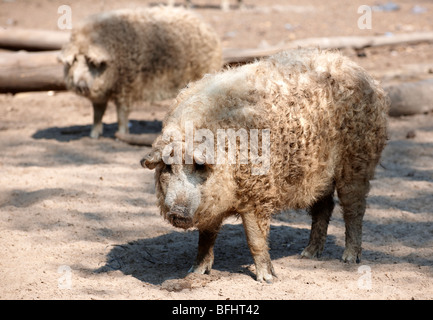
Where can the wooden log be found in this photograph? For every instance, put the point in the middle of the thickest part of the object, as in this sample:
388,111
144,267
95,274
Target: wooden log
233,56
359,42
145,139
405,73
410,98
32,40
35,71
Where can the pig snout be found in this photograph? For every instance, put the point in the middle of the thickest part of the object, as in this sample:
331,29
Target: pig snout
81,79
82,87
179,217
181,195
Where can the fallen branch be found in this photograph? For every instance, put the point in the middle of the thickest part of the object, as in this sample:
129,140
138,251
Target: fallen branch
32,40
233,56
405,73
411,98
25,71
145,139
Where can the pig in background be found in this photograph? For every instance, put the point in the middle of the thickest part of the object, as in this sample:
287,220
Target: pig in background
137,55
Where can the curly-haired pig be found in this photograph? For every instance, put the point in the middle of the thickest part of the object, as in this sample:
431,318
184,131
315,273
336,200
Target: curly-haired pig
137,55
281,133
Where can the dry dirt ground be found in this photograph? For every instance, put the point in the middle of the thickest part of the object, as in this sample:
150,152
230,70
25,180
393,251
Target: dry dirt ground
78,218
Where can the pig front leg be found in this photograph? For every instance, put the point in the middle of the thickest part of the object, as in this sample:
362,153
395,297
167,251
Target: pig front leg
257,231
203,263
98,112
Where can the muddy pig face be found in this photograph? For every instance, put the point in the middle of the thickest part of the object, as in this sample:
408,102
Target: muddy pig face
180,188
184,191
89,73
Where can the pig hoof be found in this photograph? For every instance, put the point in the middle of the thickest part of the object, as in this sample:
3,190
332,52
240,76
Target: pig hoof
265,277
95,133
351,257
123,129
199,270
266,274
311,252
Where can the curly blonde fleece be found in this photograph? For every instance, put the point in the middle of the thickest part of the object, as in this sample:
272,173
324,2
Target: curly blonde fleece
327,119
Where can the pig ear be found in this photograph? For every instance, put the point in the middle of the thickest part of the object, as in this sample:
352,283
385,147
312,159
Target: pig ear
66,56
151,160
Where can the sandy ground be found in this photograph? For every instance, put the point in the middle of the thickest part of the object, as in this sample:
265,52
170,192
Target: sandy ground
78,218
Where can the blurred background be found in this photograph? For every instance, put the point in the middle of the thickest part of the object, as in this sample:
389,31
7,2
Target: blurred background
269,23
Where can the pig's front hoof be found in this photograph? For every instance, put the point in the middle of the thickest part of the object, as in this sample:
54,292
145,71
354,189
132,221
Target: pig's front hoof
123,129
311,252
201,269
96,132
266,274
351,256
265,278
94,135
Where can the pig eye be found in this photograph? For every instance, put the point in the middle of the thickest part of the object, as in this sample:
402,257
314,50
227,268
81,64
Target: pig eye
96,66
199,167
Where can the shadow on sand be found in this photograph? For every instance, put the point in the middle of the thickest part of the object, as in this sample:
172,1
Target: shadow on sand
170,256
66,134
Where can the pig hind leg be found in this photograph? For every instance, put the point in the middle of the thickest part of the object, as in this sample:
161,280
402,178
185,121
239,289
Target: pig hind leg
321,212
353,202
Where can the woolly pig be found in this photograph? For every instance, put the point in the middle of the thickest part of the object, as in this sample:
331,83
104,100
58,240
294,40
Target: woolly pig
314,122
132,55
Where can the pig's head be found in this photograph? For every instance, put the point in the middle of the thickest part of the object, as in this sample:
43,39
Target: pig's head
190,195
88,69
